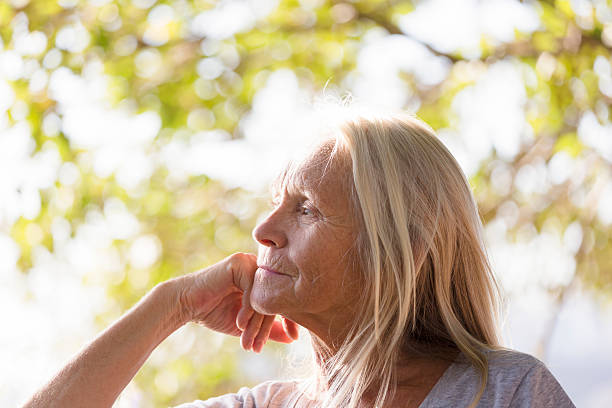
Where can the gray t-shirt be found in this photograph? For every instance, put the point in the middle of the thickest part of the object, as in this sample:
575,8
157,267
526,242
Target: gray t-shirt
515,380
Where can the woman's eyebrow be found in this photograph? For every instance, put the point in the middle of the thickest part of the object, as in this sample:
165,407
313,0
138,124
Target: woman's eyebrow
302,187
294,189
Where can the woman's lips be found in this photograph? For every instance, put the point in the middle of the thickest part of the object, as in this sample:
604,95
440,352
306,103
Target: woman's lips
270,270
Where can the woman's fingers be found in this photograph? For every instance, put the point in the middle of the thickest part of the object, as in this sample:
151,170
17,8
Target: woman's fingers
291,328
243,317
251,330
261,328
243,267
278,333
264,333
284,331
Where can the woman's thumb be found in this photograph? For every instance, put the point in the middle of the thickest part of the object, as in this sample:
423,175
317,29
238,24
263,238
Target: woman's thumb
242,267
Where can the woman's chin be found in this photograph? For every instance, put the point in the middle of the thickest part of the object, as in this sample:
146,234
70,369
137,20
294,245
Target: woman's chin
264,304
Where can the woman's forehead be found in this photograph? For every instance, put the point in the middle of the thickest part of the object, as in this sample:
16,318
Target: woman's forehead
295,178
318,171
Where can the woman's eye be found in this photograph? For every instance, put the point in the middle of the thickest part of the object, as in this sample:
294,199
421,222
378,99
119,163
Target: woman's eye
303,210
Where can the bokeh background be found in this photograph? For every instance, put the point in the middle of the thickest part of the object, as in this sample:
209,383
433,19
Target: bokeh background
137,139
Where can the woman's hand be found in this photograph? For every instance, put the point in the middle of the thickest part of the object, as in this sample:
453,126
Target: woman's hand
218,298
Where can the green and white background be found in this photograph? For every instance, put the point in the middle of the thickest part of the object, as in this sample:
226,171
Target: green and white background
137,138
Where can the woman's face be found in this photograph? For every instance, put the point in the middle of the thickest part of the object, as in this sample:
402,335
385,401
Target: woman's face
306,271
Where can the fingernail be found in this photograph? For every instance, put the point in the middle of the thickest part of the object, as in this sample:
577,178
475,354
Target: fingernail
257,346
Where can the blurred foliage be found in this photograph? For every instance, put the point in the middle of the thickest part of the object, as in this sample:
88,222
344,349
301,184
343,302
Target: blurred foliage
154,60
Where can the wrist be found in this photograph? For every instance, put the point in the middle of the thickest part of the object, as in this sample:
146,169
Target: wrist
170,293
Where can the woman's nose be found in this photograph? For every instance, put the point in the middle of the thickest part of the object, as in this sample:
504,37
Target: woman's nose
269,232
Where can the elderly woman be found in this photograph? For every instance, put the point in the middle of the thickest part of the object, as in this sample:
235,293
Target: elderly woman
374,246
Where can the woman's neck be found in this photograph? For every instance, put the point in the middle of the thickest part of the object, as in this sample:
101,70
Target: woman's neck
415,376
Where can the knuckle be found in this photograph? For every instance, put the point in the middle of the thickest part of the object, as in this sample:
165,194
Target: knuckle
232,261
236,259
239,260
233,257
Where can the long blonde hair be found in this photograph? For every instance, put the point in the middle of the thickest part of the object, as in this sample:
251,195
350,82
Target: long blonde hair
428,286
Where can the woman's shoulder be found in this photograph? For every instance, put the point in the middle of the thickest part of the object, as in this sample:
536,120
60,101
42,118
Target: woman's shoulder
267,394
273,393
514,379
532,382
502,363
511,362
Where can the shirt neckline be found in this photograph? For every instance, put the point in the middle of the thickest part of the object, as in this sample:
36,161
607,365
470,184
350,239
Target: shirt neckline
440,383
